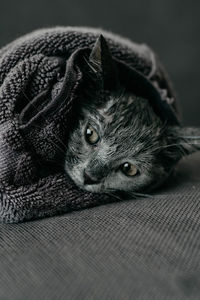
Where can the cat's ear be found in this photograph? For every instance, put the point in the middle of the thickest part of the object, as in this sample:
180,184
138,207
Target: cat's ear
188,139
102,63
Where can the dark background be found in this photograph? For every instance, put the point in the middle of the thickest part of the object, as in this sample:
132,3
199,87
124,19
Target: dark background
170,27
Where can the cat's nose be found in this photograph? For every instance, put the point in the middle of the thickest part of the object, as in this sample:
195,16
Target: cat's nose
88,179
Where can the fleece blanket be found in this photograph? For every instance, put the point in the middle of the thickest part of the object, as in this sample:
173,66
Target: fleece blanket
40,88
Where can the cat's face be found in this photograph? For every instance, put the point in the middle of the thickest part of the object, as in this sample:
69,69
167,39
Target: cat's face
121,146
117,147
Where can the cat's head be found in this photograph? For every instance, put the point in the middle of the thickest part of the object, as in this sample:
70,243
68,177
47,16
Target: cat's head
123,146
120,144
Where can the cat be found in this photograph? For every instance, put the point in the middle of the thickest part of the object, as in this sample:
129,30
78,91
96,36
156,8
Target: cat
121,146
82,122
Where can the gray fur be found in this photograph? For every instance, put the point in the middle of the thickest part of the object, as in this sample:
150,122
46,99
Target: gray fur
129,131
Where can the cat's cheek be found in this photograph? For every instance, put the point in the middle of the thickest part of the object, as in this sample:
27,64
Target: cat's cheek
95,188
74,173
125,183
116,182
75,176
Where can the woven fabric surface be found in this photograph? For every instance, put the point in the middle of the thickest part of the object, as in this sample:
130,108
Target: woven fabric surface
142,249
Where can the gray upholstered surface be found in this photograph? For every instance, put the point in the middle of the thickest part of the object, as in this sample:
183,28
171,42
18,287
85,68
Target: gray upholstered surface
144,249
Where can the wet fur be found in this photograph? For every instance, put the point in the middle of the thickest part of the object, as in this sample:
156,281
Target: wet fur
129,131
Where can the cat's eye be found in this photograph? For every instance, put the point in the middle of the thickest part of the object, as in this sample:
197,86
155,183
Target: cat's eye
129,169
91,135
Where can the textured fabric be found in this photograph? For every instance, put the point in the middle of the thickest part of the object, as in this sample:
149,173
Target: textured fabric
39,86
143,249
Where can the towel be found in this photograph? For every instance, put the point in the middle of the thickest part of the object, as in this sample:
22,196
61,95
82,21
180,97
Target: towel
41,79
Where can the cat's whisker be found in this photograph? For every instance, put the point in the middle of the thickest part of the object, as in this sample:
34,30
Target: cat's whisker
125,195
113,195
142,195
163,127
90,65
176,144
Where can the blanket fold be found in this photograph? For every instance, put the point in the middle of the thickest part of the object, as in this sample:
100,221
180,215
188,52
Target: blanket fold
40,86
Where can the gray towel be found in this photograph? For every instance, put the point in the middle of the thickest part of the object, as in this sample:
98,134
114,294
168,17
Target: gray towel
40,84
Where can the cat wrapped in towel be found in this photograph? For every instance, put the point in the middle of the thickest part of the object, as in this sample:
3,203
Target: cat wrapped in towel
86,117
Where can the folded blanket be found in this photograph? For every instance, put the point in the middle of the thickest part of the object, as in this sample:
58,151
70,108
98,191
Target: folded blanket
40,84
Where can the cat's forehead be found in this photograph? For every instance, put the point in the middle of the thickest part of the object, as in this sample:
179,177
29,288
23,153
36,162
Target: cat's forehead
116,104
121,127
122,110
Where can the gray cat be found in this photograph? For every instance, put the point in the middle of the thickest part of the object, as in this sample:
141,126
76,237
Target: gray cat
82,119
121,145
